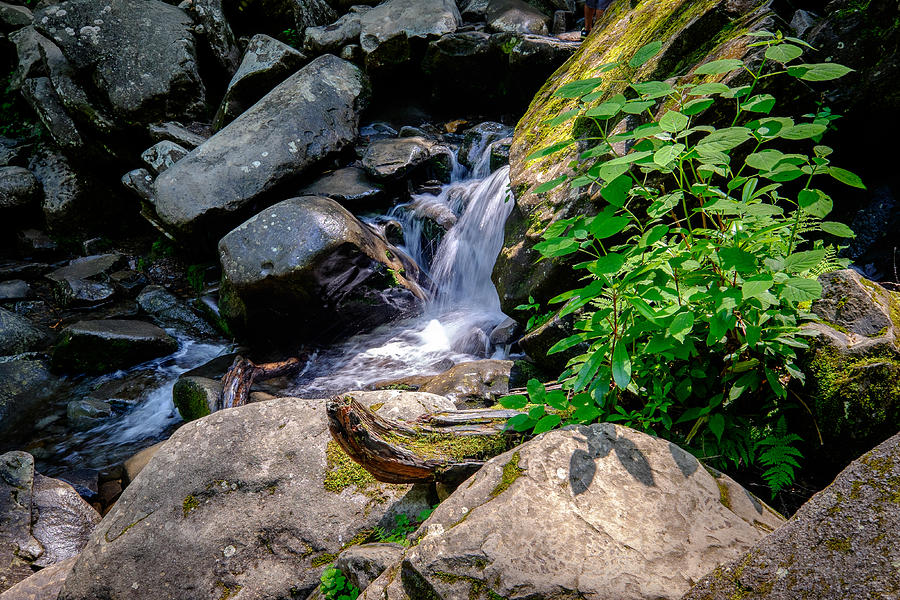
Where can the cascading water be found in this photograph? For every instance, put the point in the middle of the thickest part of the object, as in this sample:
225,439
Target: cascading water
464,306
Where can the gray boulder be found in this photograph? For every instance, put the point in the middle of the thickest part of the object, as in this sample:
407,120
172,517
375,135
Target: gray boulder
15,289
43,585
215,30
87,412
30,64
392,159
108,345
840,544
348,186
17,546
331,38
516,16
362,564
14,17
65,199
399,405
307,266
471,384
266,63
168,311
390,31
256,498
85,281
176,132
163,155
600,511
27,387
61,520
120,42
39,93
18,187
18,334
308,117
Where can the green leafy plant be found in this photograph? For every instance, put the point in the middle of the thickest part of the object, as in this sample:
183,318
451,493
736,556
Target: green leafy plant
701,263
195,279
403,528
335,586
538,318
292,38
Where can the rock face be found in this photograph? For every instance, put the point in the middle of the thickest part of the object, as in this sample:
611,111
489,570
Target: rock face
331,38
306,265
116,43
107,345
349,186
61,521
472,384
599,511
390,32
18,334
17,546
27,385
393,159
263,521
840,544
311,115
266,63
43,585
65,198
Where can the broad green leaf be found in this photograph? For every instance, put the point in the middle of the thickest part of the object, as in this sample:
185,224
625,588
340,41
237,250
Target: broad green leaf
609,263
735,259
616,191
697,106
537,412
783,53
784,172
837,229
565,344
764,160
770,127
628,158
557,399
673,121
514,402
667,154
761,103
754,286
557,247
606,110
802,131
577,89
818,71
645,53
717,67
717,425
550,185
654,235
621,365
681,325
546,423
536,391
803,261
798,289
562,118
707,89
588,370
586,414
653,89
847,177
552,149
643,308
520,423
604,226
815,202
636,107
725,139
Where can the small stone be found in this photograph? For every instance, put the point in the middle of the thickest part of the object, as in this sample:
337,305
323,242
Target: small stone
87,412
163,155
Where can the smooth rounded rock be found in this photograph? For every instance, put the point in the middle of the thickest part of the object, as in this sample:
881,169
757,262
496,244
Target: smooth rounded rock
107,345
18,187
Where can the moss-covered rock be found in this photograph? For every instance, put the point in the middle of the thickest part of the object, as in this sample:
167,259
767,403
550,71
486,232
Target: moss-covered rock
195,397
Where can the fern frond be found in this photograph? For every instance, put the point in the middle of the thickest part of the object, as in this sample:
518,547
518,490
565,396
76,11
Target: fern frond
779,457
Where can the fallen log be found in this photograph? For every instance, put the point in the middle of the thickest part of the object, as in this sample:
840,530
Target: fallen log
243,373
444,447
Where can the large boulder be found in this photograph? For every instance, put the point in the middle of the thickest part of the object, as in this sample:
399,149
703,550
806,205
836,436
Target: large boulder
308,117
394,32
18,188
18,334
331,38
255,500
841,544
65,204
61,520
392,159
266,63
110,344
17,546
516,16
29,45
216,30
27,388
600,511
475,383
307,266
118,43
48,106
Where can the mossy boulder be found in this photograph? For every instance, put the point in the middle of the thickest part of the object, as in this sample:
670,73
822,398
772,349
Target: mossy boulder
107,345
841,544
196,397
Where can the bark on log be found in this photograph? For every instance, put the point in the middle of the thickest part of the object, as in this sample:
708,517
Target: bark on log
388,449
243,372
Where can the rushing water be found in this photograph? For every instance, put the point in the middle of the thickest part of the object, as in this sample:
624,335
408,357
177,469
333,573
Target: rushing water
464,307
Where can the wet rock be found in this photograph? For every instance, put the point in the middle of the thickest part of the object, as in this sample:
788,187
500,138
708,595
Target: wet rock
505,333
516,16
18,334
29,270
136,463
140,182
109,492
266,63
43,585
840,544
169,311
176,132
29,44
14,17
61,520
540,521
402,405
500,153
83,481
215,30
15,289
142,40
349,186
475,383
217,183
362,564
802,21
163,155
129,282
395,159
87,412
331,38
196,397
84,281
563,21
39,93
88,267
17,546
35,242
390,30
65,199
18,187
265,520
11,151
477,140
104,346
353,53
306,265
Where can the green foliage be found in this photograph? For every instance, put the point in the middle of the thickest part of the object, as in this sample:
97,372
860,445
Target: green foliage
335,586
195,280
701,264
16,119
538,318
403,528
292,38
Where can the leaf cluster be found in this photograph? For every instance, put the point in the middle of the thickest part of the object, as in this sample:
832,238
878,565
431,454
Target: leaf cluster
403,528
335,586
701,264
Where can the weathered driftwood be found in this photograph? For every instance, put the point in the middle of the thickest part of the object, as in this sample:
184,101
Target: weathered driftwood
243,372
445,447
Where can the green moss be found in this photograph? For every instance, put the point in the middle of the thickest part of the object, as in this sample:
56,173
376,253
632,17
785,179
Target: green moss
454,447
323,559
342,471
376,406
511,472
724,494
190,503
839,545
228,592
398,386
190,399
